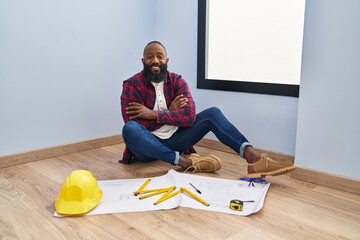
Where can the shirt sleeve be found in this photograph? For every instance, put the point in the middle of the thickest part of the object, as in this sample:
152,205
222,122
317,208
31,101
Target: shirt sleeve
183,117
131,93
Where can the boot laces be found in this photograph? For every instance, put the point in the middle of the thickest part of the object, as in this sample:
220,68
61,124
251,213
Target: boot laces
196,167
267,159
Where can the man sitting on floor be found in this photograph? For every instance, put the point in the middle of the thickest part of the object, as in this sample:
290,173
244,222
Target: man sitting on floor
161,122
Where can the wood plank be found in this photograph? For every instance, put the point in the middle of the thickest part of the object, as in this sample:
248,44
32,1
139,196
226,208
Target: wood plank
35,155
217,145
293,209
325,179
321,178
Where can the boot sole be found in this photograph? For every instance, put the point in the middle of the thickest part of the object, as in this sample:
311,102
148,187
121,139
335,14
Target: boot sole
272,173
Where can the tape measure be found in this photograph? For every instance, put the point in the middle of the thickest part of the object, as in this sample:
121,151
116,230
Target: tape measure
236,205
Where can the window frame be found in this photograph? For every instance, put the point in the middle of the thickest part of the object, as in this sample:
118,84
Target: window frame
230,85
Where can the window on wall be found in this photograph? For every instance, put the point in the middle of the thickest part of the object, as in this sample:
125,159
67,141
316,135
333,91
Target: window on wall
250,45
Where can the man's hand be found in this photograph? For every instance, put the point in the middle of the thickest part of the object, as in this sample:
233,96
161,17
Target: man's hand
179,102
137,110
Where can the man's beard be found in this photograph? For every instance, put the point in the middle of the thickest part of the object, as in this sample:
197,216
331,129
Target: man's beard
155,77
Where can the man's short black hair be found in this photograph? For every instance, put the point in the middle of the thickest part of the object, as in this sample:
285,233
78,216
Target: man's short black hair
152,43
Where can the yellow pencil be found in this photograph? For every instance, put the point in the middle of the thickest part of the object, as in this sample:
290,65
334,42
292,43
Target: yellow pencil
195,197
153,193
150,190
142,186
167,197
170,189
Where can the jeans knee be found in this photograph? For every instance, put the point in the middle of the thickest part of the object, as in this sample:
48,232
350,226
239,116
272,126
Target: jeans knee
214,111
129,128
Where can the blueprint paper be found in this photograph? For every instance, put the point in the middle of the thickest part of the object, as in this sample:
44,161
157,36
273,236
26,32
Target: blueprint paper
219,193
118,195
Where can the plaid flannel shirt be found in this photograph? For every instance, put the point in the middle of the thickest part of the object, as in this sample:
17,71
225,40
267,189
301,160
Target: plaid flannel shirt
139,89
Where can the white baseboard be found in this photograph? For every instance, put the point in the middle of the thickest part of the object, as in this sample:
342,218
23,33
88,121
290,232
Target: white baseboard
35,155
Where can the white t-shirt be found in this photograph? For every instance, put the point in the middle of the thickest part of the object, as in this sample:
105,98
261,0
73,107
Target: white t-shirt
165,131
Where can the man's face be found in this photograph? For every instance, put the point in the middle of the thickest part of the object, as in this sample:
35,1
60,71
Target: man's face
155,62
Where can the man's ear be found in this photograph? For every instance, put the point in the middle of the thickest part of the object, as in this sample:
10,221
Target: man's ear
143,60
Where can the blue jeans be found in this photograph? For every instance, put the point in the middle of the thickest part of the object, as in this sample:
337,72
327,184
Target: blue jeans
147,147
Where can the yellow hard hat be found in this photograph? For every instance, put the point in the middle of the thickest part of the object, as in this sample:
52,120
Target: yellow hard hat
79,194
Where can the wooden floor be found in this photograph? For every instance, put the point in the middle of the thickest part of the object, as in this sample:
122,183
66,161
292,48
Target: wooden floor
292,210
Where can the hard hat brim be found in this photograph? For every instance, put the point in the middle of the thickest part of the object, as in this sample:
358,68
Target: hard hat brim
77,207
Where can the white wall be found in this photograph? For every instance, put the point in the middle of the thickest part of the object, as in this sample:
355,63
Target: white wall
61,68
329,92
62,64
329,107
